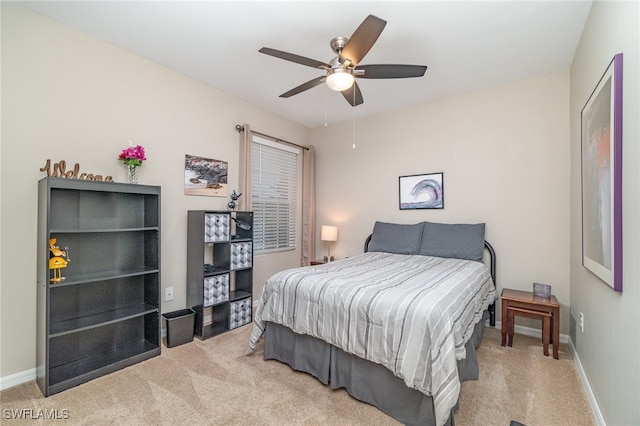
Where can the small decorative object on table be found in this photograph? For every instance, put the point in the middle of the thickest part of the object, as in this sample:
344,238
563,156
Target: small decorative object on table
542,290
133,156
59,259
234,197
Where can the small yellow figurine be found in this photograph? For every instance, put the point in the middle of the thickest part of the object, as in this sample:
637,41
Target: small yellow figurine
58,260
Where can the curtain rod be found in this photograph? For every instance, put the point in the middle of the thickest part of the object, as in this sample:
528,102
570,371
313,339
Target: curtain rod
240,128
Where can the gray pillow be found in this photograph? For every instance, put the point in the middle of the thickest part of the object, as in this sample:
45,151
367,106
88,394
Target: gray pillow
396,238
460,241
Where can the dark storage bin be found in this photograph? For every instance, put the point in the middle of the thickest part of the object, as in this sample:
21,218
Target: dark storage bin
179,327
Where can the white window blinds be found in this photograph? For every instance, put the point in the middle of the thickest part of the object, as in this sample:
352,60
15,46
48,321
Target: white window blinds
273,198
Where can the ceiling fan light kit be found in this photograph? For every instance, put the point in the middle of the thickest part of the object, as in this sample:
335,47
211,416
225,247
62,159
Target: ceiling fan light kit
343,69
340,79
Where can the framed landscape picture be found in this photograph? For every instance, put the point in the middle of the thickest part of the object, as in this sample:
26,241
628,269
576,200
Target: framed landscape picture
601,141
205,176
422,191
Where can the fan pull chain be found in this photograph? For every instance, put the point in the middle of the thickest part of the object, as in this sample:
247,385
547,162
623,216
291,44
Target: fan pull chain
353,114
326,90
353,146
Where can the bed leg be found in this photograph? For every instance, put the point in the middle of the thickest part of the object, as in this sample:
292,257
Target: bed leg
492,314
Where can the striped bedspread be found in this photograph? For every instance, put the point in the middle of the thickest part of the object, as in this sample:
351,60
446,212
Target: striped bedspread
412,314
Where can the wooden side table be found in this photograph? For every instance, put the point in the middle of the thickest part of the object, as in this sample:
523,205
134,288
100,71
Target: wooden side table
524,303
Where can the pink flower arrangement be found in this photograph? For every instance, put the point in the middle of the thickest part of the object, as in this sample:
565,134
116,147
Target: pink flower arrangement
133,155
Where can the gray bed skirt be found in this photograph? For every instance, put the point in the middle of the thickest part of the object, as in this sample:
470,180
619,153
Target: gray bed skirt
364,380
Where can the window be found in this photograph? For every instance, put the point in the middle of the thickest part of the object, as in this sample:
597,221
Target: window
274,188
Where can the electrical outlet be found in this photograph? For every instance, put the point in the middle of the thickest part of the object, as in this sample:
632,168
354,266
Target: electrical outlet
581,322
168,293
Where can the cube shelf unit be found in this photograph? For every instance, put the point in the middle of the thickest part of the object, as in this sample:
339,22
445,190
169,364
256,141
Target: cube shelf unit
219,270
105,314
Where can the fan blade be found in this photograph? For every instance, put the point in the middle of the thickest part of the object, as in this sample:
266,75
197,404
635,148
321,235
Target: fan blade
362,40
294,58
391,71
353,95
305,86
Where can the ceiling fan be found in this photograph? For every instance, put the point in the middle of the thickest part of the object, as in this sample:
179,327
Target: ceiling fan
342,70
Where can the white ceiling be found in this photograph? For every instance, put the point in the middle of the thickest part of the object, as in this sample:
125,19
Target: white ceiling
466,45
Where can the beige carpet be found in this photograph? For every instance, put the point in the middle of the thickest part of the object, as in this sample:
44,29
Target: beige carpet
214,383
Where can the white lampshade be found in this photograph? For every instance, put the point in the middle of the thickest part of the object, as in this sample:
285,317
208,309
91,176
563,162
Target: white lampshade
340,79
329,233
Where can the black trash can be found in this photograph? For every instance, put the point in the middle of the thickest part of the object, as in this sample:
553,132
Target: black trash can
179,327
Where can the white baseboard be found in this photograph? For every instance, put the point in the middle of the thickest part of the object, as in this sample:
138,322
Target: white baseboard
17,379
587,388
533,332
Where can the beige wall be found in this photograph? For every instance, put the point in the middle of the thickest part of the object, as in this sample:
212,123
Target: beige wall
68,96
504,152
609,346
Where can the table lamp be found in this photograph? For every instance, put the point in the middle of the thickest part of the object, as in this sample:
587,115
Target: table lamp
329,234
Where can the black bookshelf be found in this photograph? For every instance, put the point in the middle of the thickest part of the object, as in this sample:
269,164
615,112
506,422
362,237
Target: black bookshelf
219,270
105,314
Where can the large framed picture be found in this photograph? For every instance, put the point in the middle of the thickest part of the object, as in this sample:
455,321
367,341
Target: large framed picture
205,176
422,191
602,177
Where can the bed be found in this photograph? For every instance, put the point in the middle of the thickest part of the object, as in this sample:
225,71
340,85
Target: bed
396,326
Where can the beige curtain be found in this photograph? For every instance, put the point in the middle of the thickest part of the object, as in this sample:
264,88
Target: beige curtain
308,206
244,181
308,251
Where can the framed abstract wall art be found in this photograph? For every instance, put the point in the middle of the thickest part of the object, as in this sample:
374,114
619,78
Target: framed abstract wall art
601,141
422,191
205,176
